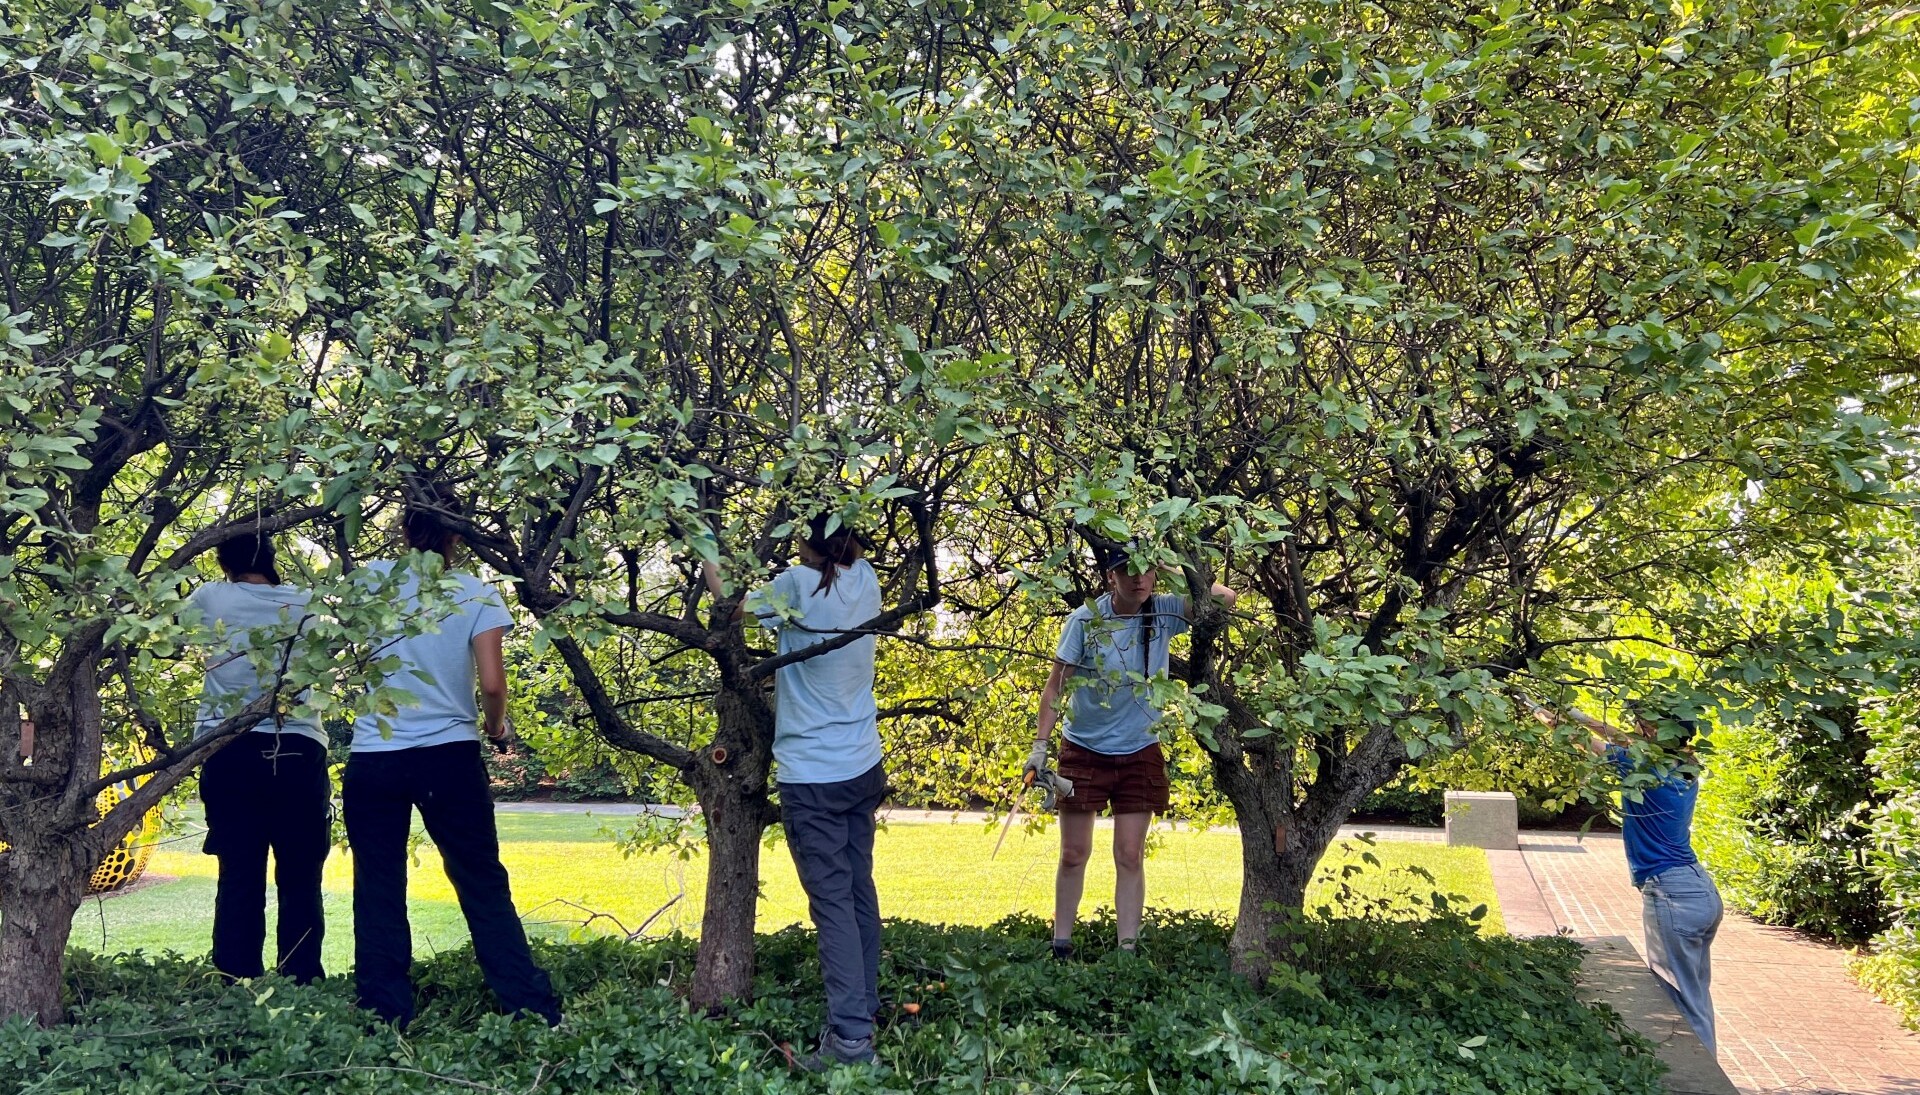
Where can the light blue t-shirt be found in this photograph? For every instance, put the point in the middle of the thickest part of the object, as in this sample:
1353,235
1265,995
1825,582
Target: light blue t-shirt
1108,712
826,724
435,666
251,616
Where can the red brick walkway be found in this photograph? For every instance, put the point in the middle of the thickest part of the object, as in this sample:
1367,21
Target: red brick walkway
1790,1018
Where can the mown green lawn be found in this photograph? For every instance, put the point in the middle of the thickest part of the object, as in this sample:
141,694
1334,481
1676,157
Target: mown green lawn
565,869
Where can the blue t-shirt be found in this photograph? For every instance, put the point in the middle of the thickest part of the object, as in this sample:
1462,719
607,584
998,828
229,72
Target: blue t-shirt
826,724
1108,711
249,616
435,666
1657,830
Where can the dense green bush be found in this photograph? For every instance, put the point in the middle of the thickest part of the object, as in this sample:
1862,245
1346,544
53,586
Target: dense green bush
1893,969
1375,1007
1785,823
1546,778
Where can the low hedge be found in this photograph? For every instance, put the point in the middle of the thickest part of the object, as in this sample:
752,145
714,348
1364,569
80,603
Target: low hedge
1373,1007
1546,779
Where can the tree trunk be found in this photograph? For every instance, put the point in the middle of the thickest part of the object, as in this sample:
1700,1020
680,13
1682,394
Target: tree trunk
1276,866
730,779
39,894
724,969
1281,845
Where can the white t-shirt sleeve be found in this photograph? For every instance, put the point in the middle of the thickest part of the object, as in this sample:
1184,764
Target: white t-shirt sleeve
767,604
490,611
1073,640
1173,614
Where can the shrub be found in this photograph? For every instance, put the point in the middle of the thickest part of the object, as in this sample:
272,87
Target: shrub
1785,823
1400,800
1545,778
1422,1007
1893,970
515,776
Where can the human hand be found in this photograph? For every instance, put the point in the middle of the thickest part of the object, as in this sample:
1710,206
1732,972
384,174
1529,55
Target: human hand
1036,762
502,736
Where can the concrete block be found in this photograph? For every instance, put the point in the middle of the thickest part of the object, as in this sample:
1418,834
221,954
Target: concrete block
1483,819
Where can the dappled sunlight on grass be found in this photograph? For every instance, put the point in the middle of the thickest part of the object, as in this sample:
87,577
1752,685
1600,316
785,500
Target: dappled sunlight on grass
564,869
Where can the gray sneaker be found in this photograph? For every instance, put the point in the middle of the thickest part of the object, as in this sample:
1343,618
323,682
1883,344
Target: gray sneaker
835,1050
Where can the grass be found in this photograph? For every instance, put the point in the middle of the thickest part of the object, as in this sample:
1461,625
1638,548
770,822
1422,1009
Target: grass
935,872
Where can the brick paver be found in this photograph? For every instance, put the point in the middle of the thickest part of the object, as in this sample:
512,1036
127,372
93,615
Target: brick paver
1789,1017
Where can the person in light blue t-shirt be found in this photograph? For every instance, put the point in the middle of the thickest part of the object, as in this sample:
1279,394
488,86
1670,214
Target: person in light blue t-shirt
427,756
826,742
1681,906
266,789
1110,650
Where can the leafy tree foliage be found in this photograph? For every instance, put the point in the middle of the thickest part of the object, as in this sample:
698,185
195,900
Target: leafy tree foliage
1449,333
163,384
1473,343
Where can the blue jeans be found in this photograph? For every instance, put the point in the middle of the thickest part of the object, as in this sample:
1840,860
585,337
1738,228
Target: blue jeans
1682,913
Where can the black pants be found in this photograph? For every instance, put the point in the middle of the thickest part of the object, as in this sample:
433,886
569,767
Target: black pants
449,785
830,830
267,791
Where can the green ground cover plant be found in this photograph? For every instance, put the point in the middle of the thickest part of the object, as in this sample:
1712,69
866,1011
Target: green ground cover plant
565,868
1378,1006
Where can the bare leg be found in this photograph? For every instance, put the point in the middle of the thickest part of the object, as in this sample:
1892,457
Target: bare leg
1129,871
1076,847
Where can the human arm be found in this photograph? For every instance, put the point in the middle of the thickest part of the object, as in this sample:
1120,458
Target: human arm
1225,595
1049,715
490,673
1601,735
710,573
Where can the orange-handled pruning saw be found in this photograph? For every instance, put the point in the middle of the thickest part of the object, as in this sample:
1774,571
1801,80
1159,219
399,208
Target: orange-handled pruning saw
1056,785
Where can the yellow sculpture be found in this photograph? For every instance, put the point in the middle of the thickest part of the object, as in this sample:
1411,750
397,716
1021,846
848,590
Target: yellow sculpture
128,860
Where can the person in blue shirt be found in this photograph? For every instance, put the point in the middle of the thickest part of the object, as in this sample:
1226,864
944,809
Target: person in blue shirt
1110,649
826,744
1681,907
427,755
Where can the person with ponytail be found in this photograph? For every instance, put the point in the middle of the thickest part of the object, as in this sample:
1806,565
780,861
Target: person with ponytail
1111,649
827,745
427,755
266,789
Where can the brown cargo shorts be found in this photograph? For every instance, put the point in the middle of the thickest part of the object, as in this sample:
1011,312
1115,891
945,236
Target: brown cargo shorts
1133,783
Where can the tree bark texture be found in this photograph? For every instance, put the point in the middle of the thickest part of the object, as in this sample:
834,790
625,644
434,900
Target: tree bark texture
730,780
39,893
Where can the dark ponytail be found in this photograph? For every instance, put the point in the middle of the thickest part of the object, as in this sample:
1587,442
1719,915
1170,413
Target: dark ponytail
248,554
835,551
424,522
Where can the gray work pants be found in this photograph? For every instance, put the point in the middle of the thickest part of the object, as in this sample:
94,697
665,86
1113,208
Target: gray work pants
830,832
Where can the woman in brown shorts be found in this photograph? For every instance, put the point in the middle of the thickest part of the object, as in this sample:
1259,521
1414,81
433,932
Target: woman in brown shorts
1110,751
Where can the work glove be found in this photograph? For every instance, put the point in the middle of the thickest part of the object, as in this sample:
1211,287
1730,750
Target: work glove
1036,762
1057,787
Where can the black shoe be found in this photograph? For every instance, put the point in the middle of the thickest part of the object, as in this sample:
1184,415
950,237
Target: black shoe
1063,949
835,1051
